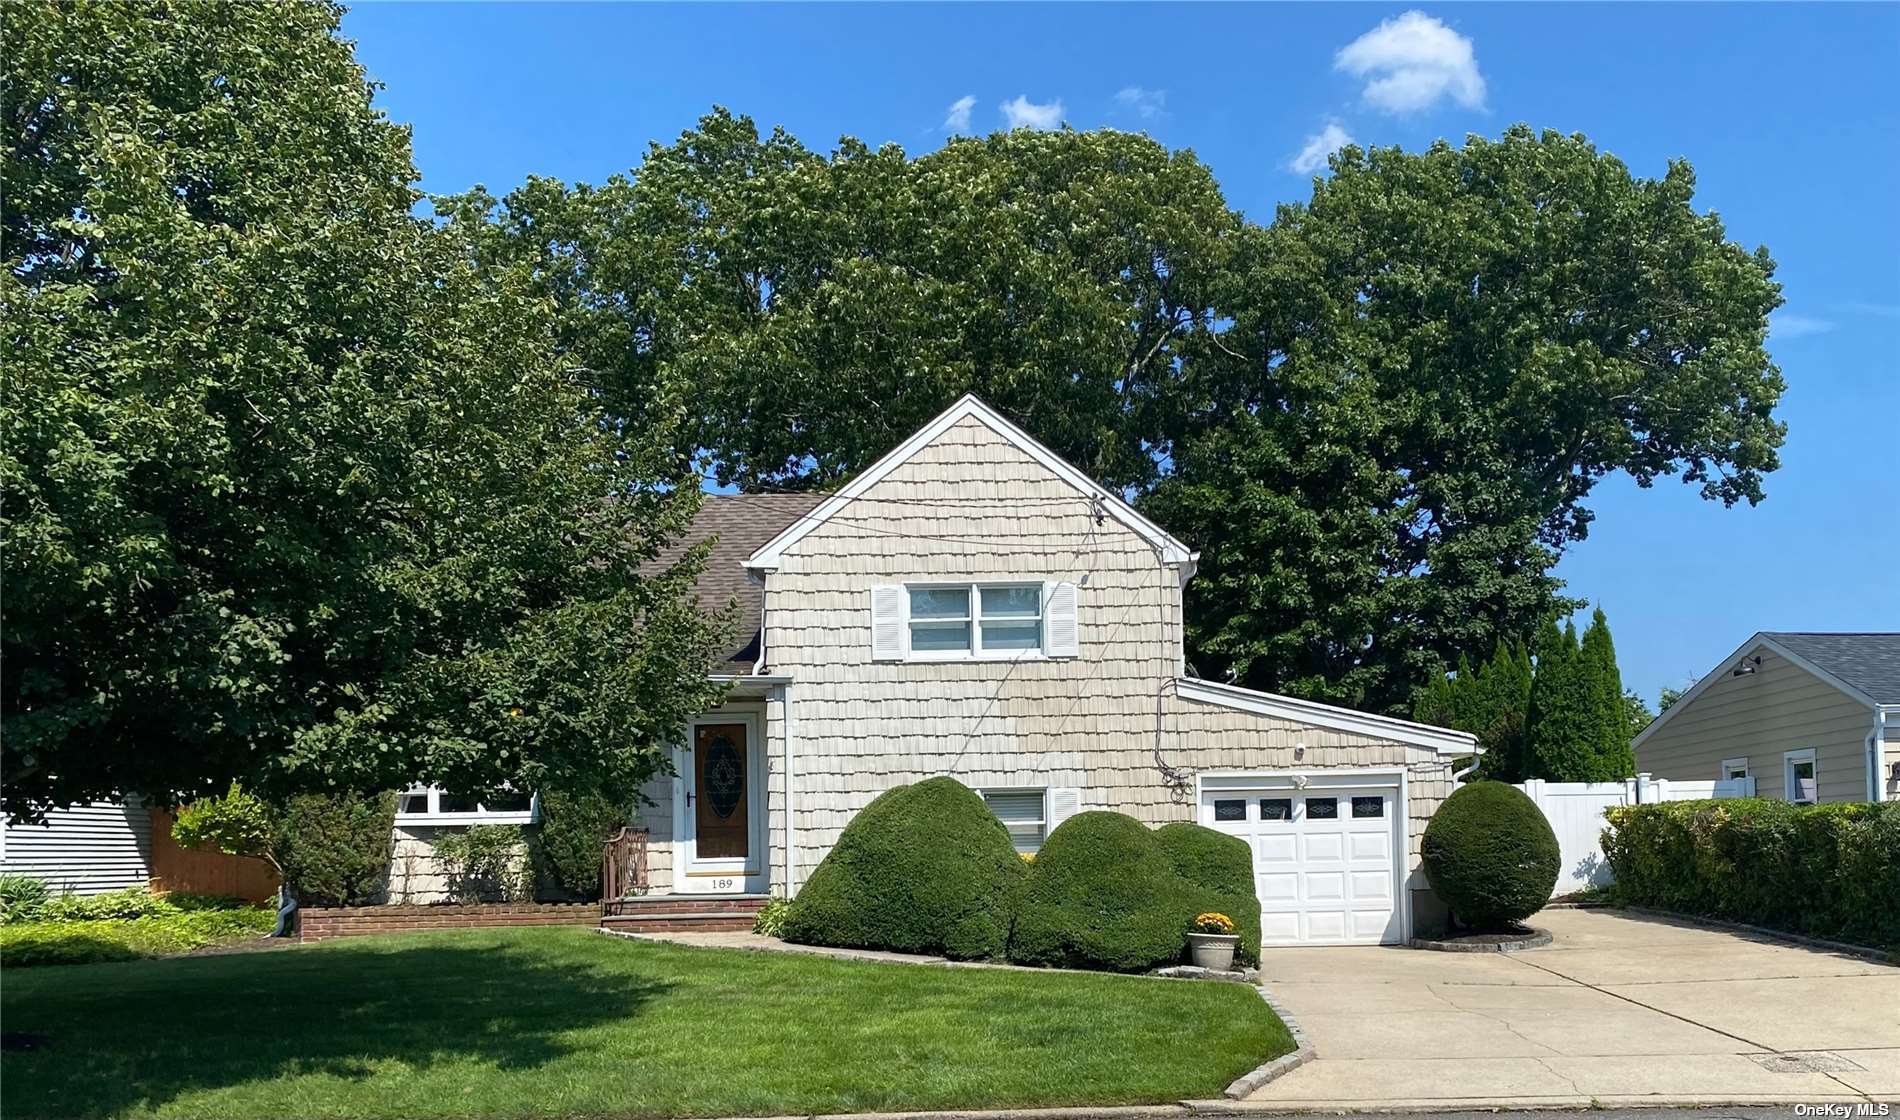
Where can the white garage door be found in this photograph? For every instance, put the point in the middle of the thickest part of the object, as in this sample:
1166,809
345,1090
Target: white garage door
1325,860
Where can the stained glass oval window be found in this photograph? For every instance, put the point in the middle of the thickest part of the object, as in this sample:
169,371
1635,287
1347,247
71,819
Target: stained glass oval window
725,776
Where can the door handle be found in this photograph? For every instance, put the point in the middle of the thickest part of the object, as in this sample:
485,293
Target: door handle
689,799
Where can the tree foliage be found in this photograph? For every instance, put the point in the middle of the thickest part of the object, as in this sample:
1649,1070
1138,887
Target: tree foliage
297,489
1379,416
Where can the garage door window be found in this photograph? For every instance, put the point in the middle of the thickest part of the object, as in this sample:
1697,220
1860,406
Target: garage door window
1234,810
1364,808
1276,808
1322,808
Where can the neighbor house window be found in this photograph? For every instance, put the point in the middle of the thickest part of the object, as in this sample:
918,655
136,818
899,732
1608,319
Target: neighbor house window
432,805
1798,775
1023,811
976,620
1733,768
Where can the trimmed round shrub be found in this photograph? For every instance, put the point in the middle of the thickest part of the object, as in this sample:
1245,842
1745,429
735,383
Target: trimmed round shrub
925,868
1106,892
1490,855
1222,864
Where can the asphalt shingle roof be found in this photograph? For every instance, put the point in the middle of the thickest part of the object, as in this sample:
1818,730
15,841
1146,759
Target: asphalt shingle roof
737,524
1869,662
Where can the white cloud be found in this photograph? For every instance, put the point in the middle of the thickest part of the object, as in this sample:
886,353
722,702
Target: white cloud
1411,62
959,118
1783,325
1145,103
1313,157
1024,113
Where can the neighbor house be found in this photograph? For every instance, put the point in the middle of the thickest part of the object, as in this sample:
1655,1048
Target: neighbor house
1810,717
973,605
82,849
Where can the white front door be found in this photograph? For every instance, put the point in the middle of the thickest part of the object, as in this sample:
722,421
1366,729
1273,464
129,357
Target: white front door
1326,860
721,806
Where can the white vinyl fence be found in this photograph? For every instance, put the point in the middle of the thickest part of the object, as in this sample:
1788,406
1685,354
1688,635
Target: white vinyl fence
1575,812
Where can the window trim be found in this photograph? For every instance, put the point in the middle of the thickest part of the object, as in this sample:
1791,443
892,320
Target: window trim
1789,760
435,815
973,615
1730,764
1042,821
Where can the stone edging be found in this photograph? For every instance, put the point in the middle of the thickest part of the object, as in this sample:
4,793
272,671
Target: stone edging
1868,952
1532,940
1248,1083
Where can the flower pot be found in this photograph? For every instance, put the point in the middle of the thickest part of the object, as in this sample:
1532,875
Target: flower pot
1213,951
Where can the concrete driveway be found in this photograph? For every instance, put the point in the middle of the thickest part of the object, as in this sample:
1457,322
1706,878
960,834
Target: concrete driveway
1618,1009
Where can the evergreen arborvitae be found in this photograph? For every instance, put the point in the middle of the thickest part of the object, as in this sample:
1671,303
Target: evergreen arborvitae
1609,726
1505,691
1562,707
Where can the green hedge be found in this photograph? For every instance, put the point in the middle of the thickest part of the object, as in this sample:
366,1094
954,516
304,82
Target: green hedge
1224,865
335,848
1106,892
925,868
1490,855
575,828
1826,870
89,941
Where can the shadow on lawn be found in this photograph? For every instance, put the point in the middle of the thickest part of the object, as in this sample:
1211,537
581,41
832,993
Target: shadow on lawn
144,1033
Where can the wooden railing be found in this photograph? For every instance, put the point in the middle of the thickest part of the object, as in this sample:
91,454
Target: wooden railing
623,867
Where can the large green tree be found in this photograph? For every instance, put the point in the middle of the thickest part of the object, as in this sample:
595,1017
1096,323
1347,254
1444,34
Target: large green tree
294,491
813,311
1431,364
1379,417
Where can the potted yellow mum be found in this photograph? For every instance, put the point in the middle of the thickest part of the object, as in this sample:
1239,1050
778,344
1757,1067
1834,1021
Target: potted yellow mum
1211,942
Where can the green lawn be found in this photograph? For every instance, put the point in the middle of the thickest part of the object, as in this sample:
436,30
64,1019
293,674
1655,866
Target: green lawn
566,1022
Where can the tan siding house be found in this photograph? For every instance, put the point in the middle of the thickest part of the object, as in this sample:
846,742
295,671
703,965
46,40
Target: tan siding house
973,606
1808,716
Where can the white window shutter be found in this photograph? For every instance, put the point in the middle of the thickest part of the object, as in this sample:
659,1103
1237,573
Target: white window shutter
887,622
1058,620
1064,802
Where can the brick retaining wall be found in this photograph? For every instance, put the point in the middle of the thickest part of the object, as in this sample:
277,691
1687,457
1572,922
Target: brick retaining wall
322,923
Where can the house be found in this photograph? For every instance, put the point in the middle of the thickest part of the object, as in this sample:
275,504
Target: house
973,605
82,849
1811,717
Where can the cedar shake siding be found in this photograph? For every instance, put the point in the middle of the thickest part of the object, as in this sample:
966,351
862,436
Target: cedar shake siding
972,506
1777,708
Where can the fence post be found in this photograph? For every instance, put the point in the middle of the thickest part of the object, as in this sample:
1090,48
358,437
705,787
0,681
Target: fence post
1645,790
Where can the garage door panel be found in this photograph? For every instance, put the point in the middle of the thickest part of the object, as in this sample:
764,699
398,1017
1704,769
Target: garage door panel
1275,847
1325,886
1325,925
1322,847
1368,925
1372,847
1282,928
1321,878
1372,886
1282,886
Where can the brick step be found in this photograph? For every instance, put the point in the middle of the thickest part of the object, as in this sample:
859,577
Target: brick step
737,921
686,904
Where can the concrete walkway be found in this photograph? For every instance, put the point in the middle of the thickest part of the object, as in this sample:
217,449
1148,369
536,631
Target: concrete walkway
1618,1010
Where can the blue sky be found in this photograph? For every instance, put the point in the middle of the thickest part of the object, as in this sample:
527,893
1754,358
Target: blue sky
1789,114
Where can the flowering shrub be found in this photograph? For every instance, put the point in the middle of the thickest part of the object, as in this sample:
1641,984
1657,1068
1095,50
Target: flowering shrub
1213,923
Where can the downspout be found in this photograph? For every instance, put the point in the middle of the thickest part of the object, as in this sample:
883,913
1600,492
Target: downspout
1876,753
286,910
787,728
